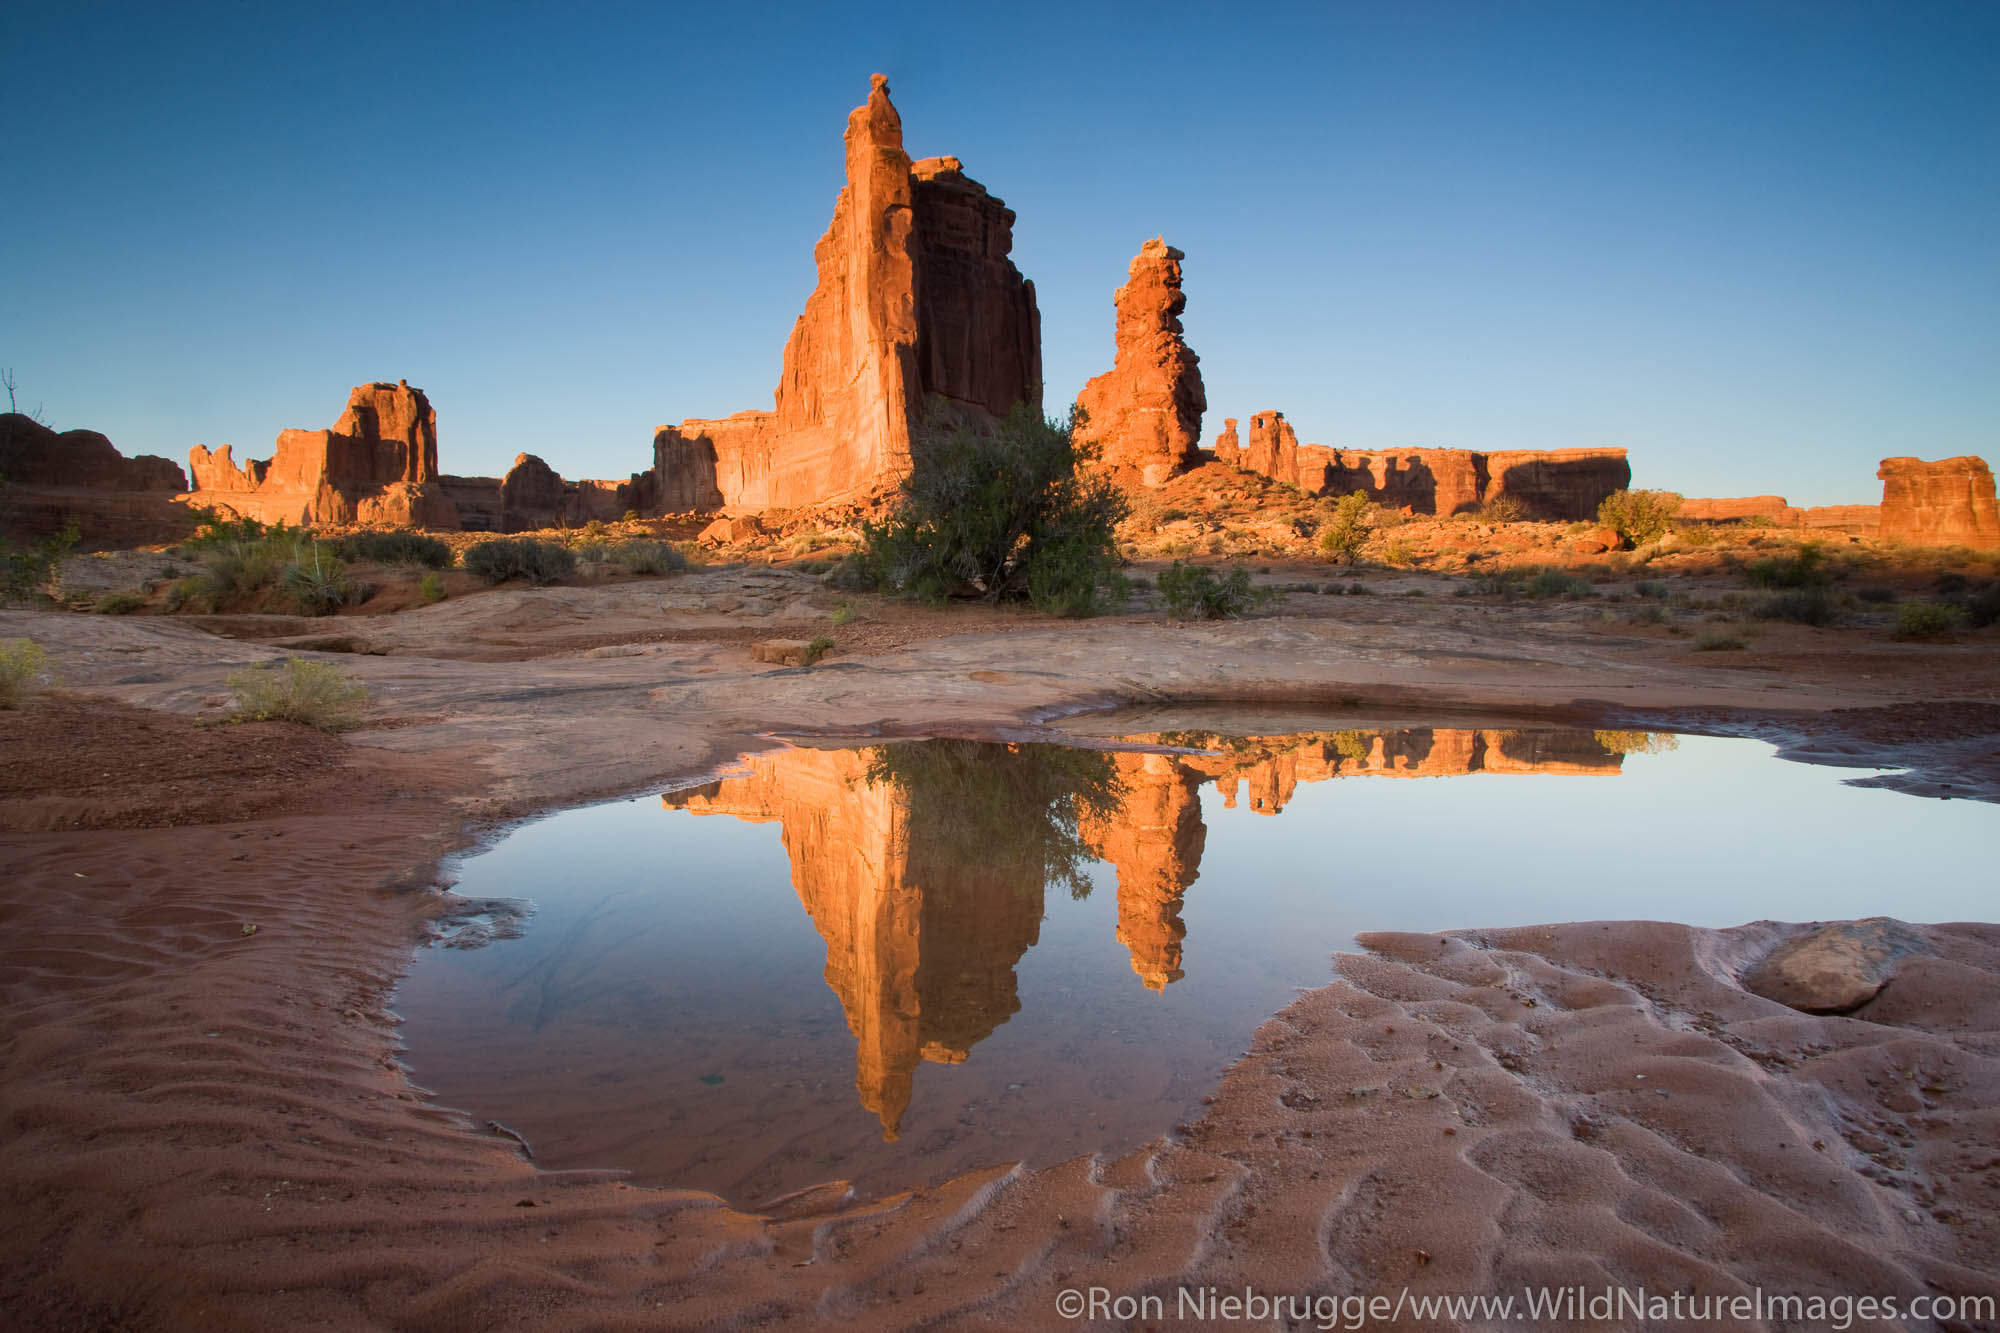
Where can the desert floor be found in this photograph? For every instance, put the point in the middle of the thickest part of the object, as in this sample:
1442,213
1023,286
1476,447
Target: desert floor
206,1126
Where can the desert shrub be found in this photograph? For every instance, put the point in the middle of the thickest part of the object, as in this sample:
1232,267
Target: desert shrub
118,604
318,582
1346,531
1982,606
1720,641
396,548
1002,513
319,694
1197,592
1172,515
35,572
1639,516
24,666
820,646
432,588
1650,588
1805,569
1802,606
1505,581
504,558
1878,595
649,558
1553,583
215,530
1503,509
1694,536
1398,553
1648,613
1927,620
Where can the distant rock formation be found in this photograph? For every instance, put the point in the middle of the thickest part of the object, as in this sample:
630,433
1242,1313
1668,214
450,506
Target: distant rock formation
377,466
31,454
917,301
1847,520
47,479
1543,483
1944,503
1144,414
1228,449
1155,842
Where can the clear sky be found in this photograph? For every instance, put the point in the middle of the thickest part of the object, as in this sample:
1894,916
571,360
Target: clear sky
1756,244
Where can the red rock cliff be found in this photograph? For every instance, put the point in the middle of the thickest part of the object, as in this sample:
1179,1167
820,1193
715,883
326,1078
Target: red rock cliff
1944,503
1144,414
917,299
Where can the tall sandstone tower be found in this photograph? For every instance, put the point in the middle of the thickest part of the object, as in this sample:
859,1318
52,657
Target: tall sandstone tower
917,300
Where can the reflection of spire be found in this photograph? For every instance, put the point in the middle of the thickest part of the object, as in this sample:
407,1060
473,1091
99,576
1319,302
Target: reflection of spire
1155,840
920,945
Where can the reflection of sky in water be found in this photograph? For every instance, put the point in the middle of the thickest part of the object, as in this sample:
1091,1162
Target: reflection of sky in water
672,1007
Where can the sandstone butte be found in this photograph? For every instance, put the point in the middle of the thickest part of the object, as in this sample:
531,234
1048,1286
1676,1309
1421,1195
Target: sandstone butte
1144,415
917,304
52,478
1544,483
377,466
923,933
1945,503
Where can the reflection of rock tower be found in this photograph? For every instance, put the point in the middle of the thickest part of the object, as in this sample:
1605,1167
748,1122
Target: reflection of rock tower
1155,840
920,945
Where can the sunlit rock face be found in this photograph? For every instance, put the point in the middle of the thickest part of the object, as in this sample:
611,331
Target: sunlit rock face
377,466
1154,840
1542,483
917,303
1144,415
1949,502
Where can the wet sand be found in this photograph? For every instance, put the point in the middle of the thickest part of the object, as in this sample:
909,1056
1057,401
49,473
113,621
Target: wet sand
206,1126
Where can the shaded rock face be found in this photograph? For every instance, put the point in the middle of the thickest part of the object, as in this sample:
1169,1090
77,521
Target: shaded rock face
1545,483
1144,414
917,301
33,455
377,466
533,496
1838,968
1944,503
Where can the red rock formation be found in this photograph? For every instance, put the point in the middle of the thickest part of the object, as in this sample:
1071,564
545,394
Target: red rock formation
1944,503
1544,483
1155,842
378,466
1144,414
31,454
1728,509
1227,448
917,300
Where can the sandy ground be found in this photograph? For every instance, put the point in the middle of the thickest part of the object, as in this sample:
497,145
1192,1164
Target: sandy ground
205,1125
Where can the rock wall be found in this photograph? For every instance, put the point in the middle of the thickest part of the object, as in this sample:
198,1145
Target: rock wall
1944,503
1848,520
1544,483
377,466
1144,414
916,301
31,454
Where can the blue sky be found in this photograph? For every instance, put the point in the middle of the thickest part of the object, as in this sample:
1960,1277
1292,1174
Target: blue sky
1756,244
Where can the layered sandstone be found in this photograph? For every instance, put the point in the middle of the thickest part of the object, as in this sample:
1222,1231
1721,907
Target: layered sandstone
1541,483
1143,416
1948,502
1228,447
52,479
917,308
377,466
1848,520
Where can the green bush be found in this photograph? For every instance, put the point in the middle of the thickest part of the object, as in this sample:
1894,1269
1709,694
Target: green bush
504,558
215,530
396,548
1650,588
1927,620
1803,606
1806,569
1639,516
36,572
1001,513
431,589
1720,641
319,694
1694,536
1197,592
23,667
1552,583
820,646
117,604
1346,532
318,582
649,558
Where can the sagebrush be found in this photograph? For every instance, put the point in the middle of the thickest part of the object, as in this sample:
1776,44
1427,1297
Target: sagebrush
298,689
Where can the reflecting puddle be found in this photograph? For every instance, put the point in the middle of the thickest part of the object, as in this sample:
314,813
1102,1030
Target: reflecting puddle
1034,951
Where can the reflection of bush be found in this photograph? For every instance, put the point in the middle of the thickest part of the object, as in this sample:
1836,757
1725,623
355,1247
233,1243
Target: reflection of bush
1638,742
1012,806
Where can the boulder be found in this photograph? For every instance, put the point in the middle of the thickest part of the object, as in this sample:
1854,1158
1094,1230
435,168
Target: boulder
1144,415
730,532
1838,968
1944,503
1598,542
783,652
